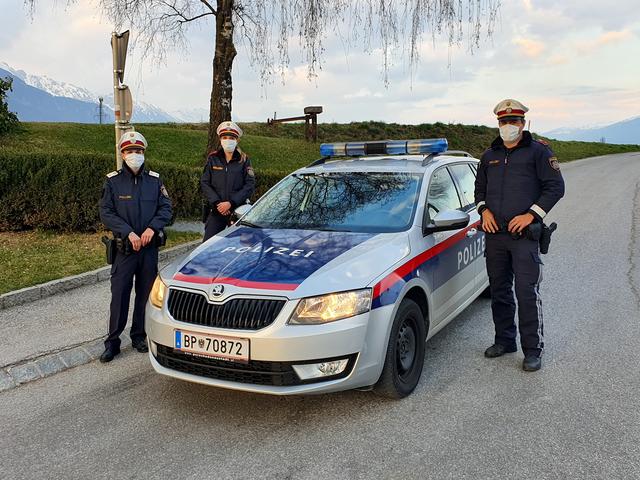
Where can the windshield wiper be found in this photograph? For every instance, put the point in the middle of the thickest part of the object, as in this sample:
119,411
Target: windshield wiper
248,224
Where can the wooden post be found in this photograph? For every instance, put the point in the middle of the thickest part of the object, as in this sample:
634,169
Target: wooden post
314,127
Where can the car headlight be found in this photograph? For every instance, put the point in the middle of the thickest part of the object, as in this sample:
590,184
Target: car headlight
332,307
158,292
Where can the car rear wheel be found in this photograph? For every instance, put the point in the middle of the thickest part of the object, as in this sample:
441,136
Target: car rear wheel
405,353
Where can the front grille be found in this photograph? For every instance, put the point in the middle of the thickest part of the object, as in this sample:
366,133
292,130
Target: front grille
238,313
255,372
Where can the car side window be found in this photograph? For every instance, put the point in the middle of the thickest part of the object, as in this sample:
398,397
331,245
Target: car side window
466,178
442,194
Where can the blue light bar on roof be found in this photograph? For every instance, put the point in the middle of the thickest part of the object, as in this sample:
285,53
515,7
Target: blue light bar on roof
385,147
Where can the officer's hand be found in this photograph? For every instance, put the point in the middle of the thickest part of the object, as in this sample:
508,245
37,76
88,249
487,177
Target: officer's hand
224,207
489,222
136,243
520,222
147,235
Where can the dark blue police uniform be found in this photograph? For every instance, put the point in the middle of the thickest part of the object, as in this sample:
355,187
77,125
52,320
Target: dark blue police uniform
224,181
132,203
512,182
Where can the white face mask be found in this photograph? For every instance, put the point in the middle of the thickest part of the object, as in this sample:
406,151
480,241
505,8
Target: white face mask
134,160
509,133
229,145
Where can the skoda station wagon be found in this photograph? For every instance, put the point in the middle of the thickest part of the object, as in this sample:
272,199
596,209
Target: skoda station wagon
333,280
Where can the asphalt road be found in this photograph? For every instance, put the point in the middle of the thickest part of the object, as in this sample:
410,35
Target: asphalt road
470,417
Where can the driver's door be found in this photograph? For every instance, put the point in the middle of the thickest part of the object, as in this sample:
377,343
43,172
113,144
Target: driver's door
453,278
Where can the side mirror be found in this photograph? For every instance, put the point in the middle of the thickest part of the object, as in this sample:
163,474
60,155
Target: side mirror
447,220
243,209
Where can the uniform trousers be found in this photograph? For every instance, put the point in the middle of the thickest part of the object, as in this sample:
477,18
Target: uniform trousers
215,224
143,266
510,259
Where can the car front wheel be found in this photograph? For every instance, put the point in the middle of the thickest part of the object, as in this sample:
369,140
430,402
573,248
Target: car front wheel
405,352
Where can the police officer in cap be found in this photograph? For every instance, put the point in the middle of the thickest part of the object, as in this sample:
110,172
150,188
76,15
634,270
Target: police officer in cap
518,183
228,180
135,206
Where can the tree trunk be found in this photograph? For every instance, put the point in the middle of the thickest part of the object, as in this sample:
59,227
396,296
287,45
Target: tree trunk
221,91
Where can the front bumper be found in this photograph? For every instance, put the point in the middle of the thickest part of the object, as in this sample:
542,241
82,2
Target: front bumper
274,349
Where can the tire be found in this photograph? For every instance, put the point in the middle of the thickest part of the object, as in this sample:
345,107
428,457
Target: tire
486,293
405,353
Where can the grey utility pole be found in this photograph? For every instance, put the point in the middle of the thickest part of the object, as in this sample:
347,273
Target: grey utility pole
122,101
100,109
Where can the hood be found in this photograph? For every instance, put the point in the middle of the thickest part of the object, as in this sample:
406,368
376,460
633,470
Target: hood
290,262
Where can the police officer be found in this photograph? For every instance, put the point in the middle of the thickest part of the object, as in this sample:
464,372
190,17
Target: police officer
518,182
228,180
135,206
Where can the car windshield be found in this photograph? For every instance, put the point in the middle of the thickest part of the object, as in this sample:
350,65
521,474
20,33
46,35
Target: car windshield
345,201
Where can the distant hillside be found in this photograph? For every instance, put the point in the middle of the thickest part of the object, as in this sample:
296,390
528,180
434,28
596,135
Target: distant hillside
624,132
282,149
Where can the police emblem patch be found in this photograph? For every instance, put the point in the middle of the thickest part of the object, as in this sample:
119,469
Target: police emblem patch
250,172
164,192
553,161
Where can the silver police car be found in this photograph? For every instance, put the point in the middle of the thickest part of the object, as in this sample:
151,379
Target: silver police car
333,280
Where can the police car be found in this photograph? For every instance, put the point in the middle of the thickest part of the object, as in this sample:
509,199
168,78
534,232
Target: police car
333,280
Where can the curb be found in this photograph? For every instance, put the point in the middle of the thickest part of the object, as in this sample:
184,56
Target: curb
43,290
45,365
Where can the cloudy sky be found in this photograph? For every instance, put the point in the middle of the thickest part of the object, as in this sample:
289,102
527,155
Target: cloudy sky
574,63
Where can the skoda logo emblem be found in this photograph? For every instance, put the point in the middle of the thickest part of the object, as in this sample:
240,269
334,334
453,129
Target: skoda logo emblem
217,290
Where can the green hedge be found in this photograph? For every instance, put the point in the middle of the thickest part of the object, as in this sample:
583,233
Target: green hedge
61,191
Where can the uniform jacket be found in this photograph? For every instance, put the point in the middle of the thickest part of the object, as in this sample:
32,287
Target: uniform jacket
133,203
227,182
522,179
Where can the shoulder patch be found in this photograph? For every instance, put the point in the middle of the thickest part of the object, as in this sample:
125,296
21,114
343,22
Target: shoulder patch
553,161
113,174
154,174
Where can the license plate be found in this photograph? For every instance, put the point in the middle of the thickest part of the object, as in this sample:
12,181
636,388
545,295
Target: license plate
223,348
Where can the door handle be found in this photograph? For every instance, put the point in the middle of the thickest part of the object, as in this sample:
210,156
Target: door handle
472,232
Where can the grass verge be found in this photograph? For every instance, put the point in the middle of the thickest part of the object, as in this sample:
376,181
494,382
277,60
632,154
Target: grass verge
30,258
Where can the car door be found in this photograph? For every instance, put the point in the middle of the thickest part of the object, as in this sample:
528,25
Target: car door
464,175
453,283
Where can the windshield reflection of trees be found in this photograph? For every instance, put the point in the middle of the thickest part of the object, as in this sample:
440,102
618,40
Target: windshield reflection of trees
335,199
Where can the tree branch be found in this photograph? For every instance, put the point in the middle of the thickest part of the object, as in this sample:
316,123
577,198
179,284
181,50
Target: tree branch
208,5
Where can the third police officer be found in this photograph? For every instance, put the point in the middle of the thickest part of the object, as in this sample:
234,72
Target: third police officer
518,182
228,180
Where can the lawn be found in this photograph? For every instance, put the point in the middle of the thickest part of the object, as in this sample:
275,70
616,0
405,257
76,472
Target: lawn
30,258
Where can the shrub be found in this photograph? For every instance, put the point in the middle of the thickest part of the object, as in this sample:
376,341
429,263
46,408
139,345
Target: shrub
61,191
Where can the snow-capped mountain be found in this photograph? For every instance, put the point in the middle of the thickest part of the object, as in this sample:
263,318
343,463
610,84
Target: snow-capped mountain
60,97
192,115
51,86
624,132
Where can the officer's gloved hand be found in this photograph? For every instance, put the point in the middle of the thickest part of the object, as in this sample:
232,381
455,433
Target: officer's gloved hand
136,242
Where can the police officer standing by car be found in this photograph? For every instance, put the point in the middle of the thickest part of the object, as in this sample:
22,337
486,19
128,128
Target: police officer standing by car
228,180
135,206
518,183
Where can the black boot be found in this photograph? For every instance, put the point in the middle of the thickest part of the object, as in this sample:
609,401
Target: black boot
531,363
109,354
497,350
140,346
